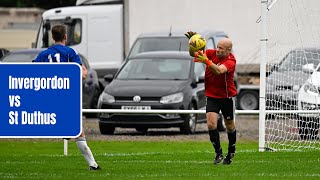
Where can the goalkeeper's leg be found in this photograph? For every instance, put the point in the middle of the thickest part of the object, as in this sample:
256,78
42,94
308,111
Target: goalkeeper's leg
232,137
212,121
228,111
86,152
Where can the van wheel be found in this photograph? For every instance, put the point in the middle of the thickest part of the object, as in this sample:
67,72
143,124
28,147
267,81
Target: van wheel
106,129
308,128
190,122
248,100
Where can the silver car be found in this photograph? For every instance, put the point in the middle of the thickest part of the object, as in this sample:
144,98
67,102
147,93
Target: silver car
286,79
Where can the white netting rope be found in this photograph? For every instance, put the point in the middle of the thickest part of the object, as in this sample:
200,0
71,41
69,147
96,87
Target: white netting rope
293,28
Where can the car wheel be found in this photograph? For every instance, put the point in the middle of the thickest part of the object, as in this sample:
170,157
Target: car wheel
190,122
308,128
106,129
248,100
142,130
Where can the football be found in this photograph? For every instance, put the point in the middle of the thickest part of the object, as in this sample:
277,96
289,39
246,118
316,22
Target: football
197,42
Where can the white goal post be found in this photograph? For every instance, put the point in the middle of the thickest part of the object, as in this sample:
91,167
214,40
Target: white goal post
289,75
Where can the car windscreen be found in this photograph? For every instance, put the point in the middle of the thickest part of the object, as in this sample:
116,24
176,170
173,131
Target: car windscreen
74,31
19,57
158,69
296,59
159,44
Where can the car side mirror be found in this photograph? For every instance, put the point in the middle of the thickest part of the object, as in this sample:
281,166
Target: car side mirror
108,77
308,68
201,79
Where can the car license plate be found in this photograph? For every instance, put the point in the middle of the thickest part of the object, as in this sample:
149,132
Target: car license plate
136,107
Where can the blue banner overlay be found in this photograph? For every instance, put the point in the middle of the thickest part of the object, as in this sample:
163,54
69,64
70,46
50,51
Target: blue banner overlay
40,100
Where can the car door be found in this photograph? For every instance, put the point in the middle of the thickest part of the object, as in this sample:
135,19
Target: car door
199,91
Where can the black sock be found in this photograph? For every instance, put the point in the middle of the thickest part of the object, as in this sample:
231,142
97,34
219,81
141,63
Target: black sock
232,136
215,140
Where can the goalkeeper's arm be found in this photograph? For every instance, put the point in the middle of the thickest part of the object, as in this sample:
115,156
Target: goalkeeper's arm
201,56
217,70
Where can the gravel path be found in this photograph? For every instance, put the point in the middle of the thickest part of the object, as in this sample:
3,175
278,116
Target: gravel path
247,129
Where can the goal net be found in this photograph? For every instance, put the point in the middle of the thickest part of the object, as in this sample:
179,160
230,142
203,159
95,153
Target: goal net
293,76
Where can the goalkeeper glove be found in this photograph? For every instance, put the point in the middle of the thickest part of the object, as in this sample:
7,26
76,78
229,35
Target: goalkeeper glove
200,56
189,34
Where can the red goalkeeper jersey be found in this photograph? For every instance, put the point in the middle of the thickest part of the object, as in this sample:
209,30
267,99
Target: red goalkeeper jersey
220,86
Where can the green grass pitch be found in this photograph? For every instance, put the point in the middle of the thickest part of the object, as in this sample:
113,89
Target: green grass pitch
41,159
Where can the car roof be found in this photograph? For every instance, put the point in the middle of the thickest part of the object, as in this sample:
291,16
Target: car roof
206,33
163,54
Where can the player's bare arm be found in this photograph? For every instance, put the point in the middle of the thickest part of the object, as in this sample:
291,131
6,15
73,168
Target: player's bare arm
84,72
217,70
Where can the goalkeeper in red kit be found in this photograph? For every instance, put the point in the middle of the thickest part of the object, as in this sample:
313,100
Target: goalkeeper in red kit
220,91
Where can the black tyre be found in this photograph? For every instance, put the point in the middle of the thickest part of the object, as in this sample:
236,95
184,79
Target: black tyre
248,100
106,129
308,128
190,122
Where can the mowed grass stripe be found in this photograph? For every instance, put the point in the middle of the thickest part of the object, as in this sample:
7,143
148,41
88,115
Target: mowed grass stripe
154,160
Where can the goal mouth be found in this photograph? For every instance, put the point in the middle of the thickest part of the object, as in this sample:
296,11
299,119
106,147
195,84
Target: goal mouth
292,85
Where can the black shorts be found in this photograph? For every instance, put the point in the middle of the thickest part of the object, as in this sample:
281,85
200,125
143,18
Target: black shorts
225,105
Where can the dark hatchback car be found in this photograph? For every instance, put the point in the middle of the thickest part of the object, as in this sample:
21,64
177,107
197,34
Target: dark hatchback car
90,86
173,41
154,80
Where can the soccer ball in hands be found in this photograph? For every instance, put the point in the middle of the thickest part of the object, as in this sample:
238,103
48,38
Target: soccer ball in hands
197,42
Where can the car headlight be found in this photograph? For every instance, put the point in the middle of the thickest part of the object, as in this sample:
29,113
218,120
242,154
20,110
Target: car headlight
173,98
311,89
106,98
